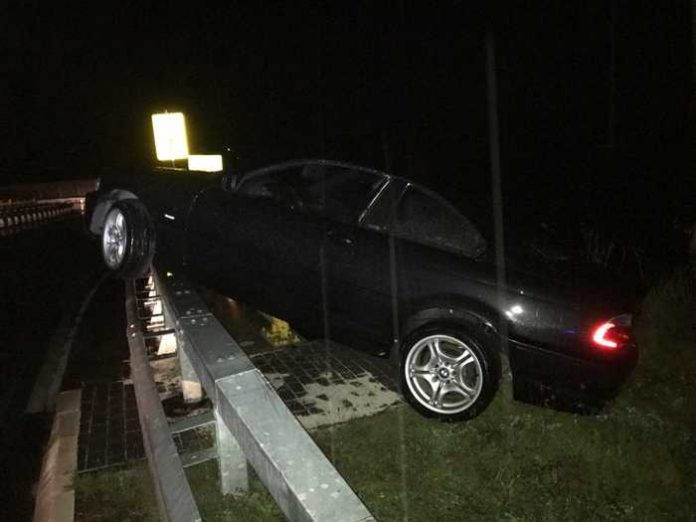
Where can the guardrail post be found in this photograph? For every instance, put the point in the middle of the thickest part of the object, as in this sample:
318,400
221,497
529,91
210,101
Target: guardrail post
190,383
234,477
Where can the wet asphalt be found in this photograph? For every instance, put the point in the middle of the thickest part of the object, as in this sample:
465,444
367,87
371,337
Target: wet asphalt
44,272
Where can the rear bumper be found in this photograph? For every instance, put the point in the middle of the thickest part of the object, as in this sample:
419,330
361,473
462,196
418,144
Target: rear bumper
545,376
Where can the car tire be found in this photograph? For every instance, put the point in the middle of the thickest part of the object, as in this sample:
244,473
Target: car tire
128,239
449,372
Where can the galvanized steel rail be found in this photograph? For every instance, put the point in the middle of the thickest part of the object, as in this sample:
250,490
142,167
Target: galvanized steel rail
19,216
172,490
252,423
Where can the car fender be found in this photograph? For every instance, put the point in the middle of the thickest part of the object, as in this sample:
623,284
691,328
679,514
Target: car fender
102,206
451,310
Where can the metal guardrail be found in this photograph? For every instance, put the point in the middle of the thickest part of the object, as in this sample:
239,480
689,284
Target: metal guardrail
252,424
17,216
66,189
173,492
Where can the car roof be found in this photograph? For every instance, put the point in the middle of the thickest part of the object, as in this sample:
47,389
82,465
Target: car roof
403,182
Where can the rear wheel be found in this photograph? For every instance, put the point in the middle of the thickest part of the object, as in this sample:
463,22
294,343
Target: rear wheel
448,372
128,239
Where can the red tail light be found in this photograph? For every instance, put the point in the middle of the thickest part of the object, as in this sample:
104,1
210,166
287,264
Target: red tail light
613,334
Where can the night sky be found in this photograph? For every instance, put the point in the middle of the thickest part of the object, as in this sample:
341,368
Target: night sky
388,84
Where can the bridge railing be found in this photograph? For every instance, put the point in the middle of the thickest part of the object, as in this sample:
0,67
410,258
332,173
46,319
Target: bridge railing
19,216
50,190
252,424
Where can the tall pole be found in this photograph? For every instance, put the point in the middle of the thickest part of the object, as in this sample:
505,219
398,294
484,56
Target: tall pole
320,97
611,116
496,184
693,42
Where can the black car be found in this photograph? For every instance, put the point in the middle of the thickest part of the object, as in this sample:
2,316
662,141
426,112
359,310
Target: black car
378,262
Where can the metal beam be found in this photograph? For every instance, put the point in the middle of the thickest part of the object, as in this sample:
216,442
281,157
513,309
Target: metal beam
297,474
191,423
172,489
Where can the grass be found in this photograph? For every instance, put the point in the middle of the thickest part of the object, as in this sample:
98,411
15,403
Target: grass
634,461
117,494
519,463
257,504
664,382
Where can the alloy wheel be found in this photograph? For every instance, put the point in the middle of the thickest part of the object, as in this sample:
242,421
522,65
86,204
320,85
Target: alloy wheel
443,374
114,239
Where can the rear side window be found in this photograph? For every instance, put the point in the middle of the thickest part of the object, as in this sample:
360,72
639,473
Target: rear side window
422,218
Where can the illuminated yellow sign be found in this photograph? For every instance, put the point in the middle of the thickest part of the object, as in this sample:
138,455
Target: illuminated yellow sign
205,162
170,136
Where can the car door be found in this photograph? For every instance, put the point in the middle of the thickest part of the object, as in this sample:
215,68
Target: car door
259,244
355,267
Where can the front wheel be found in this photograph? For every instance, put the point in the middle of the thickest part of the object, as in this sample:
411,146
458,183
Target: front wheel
449,373
128,239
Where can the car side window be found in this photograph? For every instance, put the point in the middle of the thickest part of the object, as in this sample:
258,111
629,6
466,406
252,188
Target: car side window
342,193
422,218
276,185
339,193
